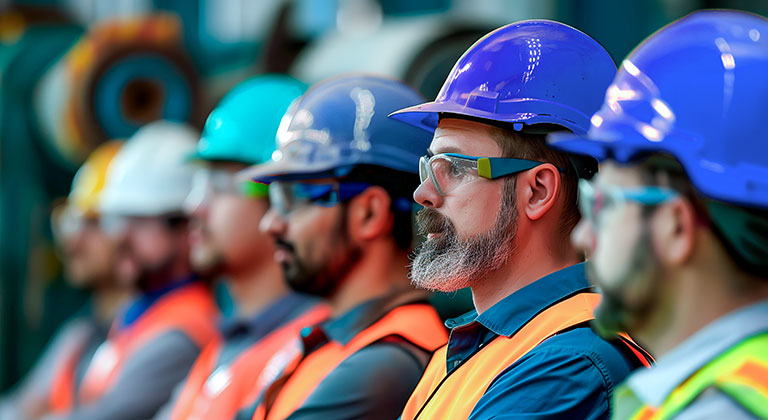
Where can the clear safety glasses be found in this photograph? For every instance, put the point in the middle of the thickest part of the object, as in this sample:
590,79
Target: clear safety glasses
596,200
449,171
208,182
67,222
287,196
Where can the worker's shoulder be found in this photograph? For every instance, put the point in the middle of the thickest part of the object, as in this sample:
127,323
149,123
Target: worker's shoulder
569,375
577,351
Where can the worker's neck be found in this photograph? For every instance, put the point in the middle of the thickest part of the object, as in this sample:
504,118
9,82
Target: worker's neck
697,297
532,259
174,272
108,300
381,269
255,287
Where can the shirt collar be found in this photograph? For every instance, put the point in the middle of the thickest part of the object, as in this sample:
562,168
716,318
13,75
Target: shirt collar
143,302
514,311
274,315
344,328
654,385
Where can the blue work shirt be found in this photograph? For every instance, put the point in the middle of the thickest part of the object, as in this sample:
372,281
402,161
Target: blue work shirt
570,375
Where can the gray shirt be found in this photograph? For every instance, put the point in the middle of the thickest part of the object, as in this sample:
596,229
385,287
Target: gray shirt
31,397
239,334
145,382
376,381
654,386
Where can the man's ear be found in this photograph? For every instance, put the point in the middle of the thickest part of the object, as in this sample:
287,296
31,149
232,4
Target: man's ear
674,231
538,190
369,215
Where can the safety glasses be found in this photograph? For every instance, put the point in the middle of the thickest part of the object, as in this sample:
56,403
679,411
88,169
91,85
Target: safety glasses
66,222
595,200
209,182
287,196
449,171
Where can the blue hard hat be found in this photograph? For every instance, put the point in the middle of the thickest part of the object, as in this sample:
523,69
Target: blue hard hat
243,125
525,73
697,90
341,123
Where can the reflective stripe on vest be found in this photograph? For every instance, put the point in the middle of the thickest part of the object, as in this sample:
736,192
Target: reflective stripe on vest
189,309
219,395
417,324
440,395
741,373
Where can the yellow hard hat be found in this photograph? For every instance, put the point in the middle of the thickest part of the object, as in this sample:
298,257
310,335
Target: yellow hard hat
89,179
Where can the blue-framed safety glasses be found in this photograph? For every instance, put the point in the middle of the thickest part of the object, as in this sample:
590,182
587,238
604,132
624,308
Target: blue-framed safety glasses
449,171
287,196
595,200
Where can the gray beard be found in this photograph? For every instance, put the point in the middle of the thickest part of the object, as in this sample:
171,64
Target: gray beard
447,263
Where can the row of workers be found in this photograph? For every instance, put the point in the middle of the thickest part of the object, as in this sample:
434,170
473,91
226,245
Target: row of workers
318,251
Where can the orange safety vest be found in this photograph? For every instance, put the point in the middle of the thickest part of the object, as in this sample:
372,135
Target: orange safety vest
417,324
189,309
209,394
62,392
440,395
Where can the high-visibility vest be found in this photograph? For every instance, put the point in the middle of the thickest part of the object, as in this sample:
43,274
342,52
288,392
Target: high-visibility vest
63,383
741,373
417,324
209,394
442,395
189,309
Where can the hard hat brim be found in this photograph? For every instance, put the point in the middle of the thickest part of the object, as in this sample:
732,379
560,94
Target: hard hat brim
426,115
286,170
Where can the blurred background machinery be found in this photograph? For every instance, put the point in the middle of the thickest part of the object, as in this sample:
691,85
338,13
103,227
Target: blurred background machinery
75,73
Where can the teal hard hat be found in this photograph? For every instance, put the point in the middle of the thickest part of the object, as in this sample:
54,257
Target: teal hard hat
243,125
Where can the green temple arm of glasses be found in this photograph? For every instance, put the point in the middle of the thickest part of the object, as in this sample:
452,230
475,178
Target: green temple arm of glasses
496,167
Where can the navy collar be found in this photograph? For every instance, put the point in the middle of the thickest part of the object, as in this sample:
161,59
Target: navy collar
514,311
277,313
344,328
143,302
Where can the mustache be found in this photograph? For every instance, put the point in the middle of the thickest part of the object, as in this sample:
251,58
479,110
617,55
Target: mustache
282,243
431,221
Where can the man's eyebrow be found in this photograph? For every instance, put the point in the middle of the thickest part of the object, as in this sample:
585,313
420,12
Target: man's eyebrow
446,149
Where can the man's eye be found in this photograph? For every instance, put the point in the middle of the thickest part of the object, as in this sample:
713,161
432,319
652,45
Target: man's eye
455,169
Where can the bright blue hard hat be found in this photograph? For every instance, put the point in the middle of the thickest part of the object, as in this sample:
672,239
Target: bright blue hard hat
243,125
529,72
341,123
697,90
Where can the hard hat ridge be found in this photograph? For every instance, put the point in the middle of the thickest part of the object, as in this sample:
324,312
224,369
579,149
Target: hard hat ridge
341,123
525,73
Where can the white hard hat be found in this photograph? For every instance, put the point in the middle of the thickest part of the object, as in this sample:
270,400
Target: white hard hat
151,174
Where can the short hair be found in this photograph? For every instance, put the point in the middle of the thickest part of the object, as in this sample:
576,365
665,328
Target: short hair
400,187
533,146
743,231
